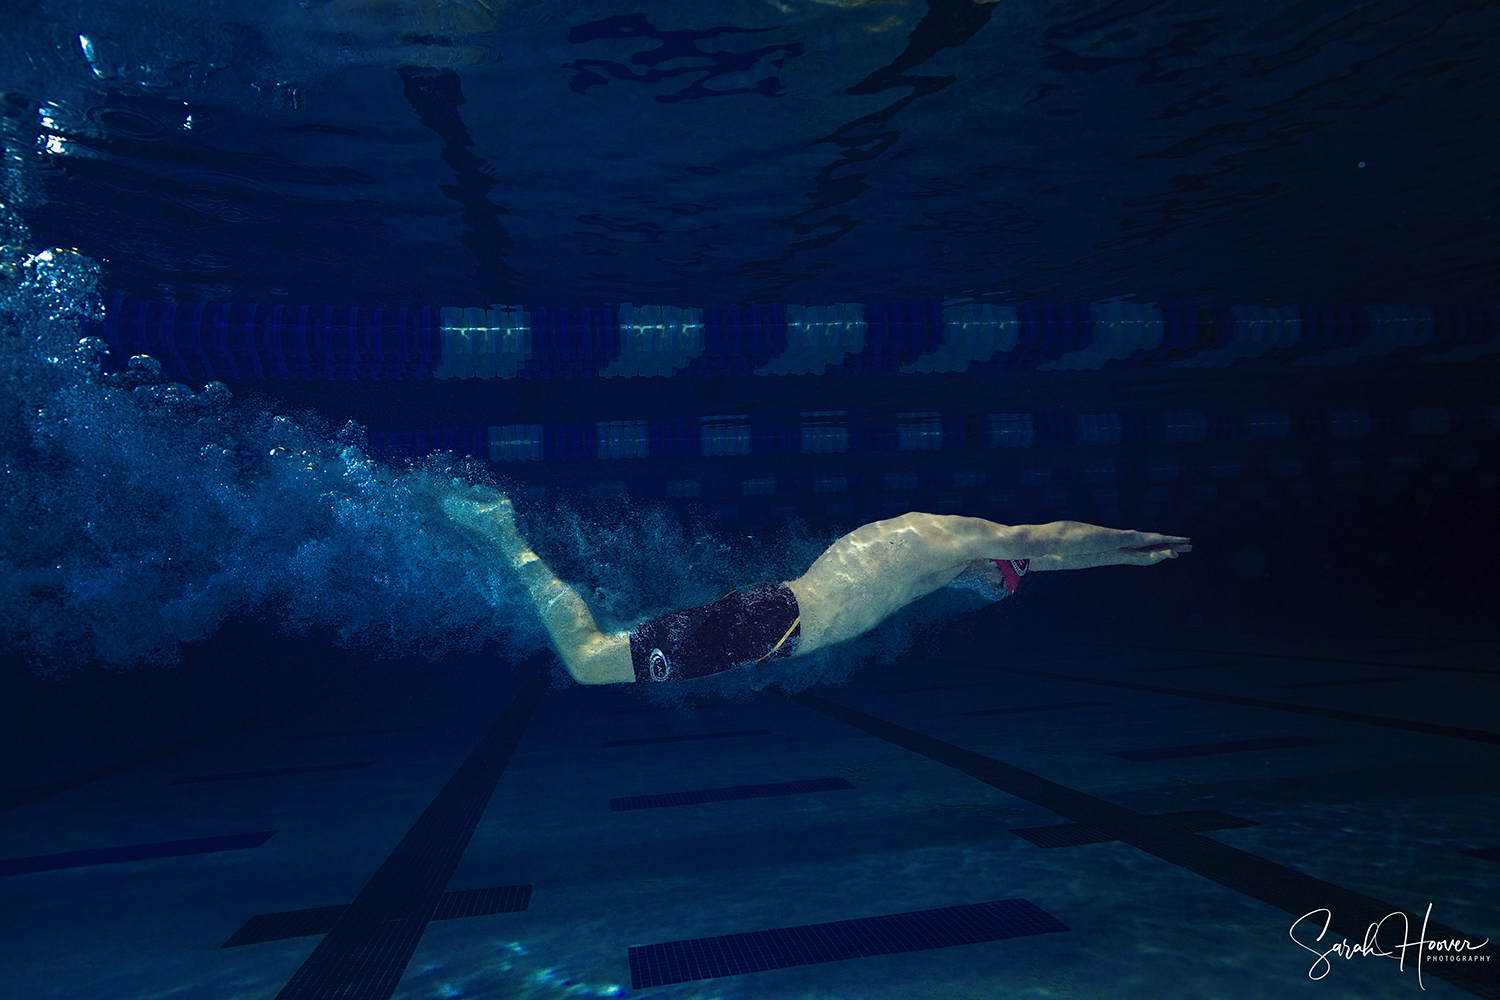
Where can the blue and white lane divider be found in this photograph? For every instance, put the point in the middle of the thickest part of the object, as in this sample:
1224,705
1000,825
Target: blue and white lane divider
238,341
828,432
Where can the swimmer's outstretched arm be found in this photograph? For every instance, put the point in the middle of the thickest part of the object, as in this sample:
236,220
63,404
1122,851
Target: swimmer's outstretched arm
877,569
1143,556
1060,540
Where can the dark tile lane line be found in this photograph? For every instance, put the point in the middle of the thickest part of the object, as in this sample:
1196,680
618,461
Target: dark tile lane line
16,797
648,740
1053,707
730,793
1362,718
353,732
1077,835
1271,656
1346,682
1284,635
1210,749
133,852
1180,666
936,687
274,772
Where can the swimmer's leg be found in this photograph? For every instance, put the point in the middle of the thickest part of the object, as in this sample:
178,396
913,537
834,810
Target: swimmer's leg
591,656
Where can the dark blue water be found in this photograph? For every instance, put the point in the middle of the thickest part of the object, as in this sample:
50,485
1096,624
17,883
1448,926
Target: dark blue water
703,290
376,154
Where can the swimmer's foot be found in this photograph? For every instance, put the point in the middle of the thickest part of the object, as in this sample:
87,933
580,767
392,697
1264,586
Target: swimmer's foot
490,515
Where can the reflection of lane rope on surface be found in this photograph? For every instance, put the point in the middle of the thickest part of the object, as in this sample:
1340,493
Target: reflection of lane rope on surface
429,33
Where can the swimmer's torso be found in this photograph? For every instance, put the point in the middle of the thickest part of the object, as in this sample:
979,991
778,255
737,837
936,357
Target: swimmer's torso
912,555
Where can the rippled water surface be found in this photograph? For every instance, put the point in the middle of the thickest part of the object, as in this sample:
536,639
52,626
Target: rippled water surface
463,152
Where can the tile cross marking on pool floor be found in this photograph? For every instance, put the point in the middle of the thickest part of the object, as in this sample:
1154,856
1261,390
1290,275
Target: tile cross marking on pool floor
1276,885
366,948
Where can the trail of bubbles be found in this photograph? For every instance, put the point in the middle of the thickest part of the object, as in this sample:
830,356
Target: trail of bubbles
136,516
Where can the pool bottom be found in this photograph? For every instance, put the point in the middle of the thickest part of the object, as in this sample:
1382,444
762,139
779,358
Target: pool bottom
1365,810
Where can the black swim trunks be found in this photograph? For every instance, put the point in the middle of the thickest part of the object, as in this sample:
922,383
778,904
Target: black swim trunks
747,626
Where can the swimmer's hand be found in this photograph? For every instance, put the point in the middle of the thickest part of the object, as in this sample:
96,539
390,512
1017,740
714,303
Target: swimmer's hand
1158,548
1146,541
1145,555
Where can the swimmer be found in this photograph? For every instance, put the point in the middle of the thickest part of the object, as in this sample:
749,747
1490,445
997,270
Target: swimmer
858,582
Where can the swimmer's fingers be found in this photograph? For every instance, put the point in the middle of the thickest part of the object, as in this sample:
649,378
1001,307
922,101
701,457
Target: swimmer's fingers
1114,557
1150,555
1151,540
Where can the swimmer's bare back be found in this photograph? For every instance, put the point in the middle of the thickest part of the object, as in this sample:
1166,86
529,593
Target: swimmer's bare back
857,583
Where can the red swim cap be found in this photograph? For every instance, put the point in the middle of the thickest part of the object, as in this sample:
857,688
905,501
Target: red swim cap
1012,570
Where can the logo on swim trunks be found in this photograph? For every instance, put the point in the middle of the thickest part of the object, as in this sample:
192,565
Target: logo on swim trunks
660,667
